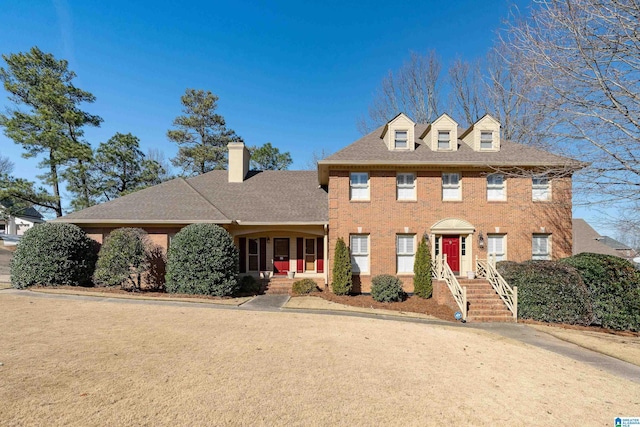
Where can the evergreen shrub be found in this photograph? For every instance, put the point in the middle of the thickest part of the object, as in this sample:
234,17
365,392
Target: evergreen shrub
249,286
549,291
614,288
422,284
342,276
123,258
202,259
52,254
387,288
304,286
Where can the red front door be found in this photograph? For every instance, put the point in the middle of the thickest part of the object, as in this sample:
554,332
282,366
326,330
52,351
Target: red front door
280,256
451,248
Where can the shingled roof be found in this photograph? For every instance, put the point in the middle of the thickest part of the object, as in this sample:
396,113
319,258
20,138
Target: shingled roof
268,197
371,150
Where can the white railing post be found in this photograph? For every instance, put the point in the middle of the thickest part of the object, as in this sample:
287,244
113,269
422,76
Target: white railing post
464,303
515,304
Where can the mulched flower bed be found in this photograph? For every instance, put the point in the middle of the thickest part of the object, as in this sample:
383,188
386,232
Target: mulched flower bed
412,304
144,292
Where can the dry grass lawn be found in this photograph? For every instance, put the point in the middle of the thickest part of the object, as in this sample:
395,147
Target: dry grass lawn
101,363
621,347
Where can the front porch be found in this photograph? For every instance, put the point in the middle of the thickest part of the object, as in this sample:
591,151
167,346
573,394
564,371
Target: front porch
282,252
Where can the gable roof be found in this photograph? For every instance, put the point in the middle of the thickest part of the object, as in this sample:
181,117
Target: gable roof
29,213
371,150
264,197
586,239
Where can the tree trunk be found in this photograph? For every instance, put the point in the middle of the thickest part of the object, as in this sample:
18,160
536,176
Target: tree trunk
55,183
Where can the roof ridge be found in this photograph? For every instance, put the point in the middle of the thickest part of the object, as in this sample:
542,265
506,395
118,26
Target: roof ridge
205,198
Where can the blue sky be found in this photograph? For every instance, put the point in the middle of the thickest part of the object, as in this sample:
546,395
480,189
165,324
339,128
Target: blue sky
292,73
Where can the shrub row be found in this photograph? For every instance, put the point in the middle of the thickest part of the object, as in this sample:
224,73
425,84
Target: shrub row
614,289
549,291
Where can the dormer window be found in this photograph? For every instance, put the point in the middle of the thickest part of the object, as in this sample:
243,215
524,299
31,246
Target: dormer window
444,140
486,140
401,139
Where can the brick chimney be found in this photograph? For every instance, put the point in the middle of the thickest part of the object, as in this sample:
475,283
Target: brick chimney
238,161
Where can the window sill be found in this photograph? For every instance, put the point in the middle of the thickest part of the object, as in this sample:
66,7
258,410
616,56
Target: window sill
497,201
360,200
452,201
405,274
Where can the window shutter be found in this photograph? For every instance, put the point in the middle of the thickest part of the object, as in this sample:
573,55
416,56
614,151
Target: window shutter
299,254
243,254
320,254
263,254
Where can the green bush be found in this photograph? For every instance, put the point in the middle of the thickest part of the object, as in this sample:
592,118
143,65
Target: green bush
202,259
249,286
387,288
342,277
304,286
123,258
52,254
614,287
422,285
549,291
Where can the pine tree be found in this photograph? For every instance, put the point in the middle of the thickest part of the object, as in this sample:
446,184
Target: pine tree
342,280
422,271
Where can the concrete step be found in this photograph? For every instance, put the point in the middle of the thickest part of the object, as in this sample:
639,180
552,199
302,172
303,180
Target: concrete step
490,319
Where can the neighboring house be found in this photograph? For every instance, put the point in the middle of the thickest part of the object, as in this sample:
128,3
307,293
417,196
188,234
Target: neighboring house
470,192
586,239
18,224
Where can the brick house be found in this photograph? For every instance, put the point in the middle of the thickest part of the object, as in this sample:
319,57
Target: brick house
471,193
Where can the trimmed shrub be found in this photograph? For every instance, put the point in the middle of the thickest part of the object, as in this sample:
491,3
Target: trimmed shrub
52,254
342,278
614,287
387,288
202,259
304,286
422,285
549,291
249,286
123,258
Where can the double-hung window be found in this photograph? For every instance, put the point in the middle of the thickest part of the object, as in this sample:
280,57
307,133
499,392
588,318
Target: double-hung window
496,187
401,139
540,244
406,186
359,253
540,189
444,140
496,246
451,186
405,252
359,186
486,140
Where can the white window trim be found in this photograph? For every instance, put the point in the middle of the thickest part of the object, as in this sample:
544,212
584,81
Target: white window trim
503,254
406,140
358,253
405,254
449,186
359,186
535,187
448,132
541,255
494,186
481,140
403,185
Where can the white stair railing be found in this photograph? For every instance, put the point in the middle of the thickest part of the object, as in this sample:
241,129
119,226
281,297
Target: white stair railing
440,270
486,268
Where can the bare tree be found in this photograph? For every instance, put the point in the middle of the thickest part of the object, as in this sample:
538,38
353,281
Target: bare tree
6,166
583,59
316,156
413,90
496,87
